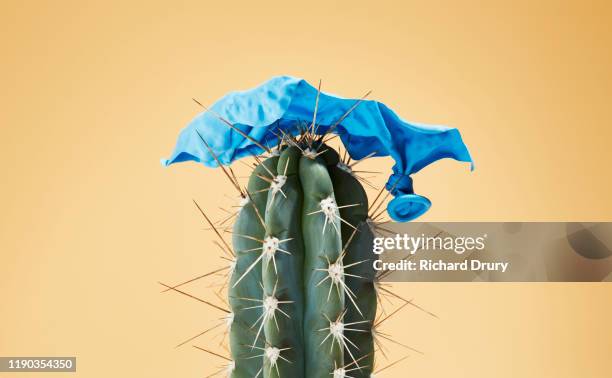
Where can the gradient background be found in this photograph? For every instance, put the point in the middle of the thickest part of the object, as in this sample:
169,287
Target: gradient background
93,94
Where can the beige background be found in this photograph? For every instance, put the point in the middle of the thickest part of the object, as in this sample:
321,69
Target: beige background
93,94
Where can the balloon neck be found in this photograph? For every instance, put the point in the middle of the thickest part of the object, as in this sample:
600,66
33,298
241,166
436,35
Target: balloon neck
399,184
406,205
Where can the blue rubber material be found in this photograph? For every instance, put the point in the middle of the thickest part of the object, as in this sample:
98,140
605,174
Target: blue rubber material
282,102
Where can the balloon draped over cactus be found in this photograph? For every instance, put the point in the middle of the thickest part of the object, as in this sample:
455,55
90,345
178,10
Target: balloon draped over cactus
303,296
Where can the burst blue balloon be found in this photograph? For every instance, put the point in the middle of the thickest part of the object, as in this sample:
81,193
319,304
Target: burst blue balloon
281,104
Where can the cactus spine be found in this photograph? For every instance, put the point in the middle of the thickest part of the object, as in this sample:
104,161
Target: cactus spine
302,293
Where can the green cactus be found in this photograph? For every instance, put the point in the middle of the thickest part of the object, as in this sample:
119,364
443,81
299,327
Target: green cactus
302,291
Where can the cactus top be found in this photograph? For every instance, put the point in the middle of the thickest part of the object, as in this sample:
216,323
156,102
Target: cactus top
284,104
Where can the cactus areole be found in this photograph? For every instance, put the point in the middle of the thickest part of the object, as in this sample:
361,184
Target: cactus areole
302,291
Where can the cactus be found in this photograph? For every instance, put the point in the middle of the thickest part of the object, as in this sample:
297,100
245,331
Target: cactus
302,292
